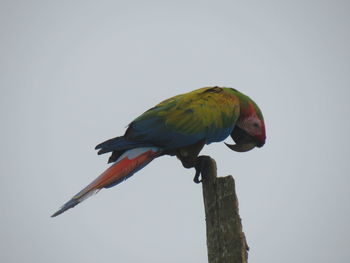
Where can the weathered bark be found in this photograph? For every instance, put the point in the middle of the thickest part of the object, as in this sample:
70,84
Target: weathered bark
225,239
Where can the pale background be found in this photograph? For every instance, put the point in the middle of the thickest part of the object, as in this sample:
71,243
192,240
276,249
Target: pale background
74,73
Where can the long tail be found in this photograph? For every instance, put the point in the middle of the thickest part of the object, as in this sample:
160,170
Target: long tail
127,164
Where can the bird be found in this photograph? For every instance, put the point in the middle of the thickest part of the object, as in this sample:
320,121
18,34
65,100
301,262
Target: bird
179,126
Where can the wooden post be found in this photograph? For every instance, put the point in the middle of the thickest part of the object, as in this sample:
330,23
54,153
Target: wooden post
225,239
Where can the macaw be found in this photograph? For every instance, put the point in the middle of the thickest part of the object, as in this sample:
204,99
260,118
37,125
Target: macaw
179,126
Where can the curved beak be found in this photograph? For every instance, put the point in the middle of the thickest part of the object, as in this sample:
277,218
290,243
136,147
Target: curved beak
245,147
244,142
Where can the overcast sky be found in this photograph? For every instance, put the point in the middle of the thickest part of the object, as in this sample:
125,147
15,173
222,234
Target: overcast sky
74,73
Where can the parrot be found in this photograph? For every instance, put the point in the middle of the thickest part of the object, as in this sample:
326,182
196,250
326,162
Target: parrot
179,126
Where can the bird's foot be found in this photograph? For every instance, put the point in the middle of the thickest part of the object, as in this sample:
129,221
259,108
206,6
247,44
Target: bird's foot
196,176
198,166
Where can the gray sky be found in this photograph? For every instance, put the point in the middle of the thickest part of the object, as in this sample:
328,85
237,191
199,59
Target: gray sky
74,73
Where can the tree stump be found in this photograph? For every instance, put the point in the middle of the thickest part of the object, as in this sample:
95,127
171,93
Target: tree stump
225,239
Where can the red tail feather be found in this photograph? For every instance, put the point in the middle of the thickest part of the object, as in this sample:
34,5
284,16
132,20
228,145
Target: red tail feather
126,165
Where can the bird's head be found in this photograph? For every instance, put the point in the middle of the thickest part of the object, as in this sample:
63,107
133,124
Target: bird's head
249,130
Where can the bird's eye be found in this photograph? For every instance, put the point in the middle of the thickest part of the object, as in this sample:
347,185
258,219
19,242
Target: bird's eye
255,124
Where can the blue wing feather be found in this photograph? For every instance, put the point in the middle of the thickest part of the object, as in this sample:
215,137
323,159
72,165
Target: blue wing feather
180,121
